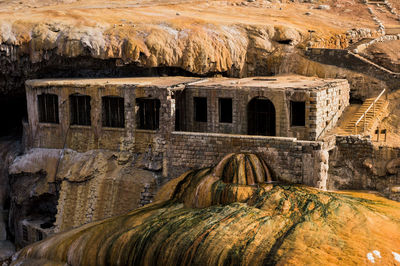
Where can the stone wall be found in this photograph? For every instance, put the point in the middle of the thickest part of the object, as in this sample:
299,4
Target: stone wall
357,163
323,107
360,48
290,159
326,107
346,59
96,185
95,136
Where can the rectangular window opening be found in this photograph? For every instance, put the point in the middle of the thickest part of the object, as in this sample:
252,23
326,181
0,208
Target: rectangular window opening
80,110
25,233
48,108
225,110
298,113
200,109
148,116
39,235
113,111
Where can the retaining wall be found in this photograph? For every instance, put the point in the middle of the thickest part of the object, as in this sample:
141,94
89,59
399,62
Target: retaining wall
290,159
348,60
357,163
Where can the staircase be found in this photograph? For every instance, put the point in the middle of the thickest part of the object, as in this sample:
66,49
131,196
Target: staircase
368,116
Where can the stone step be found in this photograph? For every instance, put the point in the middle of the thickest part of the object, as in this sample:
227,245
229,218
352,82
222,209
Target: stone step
369,119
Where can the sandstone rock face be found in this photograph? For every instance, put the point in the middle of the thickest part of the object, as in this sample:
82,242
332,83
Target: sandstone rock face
205,38
273,224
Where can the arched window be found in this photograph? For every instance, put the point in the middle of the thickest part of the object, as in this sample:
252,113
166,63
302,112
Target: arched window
261,117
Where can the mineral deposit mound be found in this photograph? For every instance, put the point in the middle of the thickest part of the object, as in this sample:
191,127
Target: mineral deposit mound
233,214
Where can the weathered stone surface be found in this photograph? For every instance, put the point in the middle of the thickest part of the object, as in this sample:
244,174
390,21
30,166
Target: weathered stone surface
7,249
357,163
393,166
70,188
9,149
253,225
208,37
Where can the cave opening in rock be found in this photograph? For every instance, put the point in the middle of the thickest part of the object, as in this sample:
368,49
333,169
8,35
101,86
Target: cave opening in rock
13,112
33,219
287,42
356,101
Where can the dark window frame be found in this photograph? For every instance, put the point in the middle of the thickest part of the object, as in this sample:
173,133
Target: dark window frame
297,113
200,109
25,233
39,235
261,117
113,111
80,110
223,105
48,110
148,114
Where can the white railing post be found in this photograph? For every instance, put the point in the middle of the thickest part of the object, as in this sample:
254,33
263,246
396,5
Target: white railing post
364,115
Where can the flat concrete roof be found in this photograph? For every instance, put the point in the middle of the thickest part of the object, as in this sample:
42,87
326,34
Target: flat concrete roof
272,82
296,82
138,81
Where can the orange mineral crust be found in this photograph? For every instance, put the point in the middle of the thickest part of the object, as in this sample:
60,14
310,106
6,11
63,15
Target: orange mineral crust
236,213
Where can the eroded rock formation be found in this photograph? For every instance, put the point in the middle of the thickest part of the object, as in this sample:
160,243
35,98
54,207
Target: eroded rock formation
239,224
63,189
9,149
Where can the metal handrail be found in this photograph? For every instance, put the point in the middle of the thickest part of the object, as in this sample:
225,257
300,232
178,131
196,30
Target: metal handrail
364,115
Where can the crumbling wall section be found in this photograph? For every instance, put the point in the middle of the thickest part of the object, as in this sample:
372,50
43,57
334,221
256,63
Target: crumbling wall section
357,163
96,185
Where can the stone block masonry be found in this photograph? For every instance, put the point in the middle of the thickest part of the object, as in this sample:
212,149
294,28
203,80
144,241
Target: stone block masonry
291,107
357,163
290,159
347,59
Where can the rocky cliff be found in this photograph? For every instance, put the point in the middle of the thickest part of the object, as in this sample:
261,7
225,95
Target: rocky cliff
231,215
98,38
203,37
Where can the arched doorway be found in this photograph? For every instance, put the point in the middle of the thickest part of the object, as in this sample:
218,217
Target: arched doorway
261,117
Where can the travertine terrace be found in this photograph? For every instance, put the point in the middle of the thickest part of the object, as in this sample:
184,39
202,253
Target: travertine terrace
199,132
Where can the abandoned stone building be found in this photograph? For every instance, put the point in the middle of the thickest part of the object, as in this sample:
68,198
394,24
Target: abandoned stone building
181,123
187,122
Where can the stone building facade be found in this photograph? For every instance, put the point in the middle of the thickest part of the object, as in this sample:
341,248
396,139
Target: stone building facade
58,131
162,117
299,107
